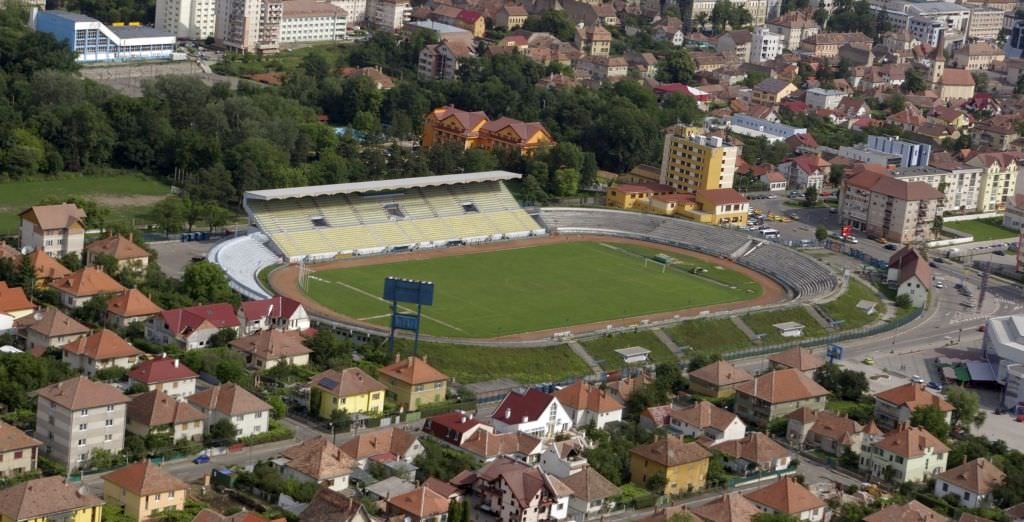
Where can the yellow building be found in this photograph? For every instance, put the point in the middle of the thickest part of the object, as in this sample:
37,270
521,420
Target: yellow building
717,206
771,91
691,161
450,125
414,383
682,465
351,390
143,489
635,196
476,130
46,499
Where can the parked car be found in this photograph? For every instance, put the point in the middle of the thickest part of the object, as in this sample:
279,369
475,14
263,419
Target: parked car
934,385
917,379
939,284
890,246
201,459
869,361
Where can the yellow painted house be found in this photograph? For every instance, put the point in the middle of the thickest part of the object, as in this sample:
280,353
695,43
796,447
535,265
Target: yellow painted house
476,130
351,390
682,465
46,499
414,383
635,195
143,489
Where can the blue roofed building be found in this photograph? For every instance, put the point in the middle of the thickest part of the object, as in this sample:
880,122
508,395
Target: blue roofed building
94,41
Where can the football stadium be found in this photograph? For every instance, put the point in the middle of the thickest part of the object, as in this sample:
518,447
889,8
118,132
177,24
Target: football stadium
499,271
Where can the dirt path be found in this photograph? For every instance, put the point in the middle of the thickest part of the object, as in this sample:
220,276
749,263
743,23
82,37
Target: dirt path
284,281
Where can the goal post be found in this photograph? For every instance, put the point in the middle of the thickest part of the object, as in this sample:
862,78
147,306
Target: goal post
658,262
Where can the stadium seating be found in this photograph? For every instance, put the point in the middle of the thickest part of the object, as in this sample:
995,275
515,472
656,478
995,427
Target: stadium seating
323,226
801,274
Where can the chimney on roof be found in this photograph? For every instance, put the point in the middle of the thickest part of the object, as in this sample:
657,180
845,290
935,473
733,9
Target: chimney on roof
508,413
177,363
398,357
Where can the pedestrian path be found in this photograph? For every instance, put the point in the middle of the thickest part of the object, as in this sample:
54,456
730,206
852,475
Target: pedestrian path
582,354
817,317
743,327
667,341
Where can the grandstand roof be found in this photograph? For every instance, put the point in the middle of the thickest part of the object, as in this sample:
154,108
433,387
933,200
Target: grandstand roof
380,185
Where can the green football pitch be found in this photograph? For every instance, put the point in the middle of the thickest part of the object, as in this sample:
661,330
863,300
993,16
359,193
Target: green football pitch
502,292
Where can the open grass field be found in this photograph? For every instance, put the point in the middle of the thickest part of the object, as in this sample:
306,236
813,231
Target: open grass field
761,323
603,349
709,335
845,308
983,229
468,364
551,286
127,196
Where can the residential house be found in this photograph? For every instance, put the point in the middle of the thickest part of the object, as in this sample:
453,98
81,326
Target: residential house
49,328
786,496
100,350
826,431
380,80
912,510
129,307
704,419
908,454
737,44
799,359
351,390
534,412
48,498
471,21
510,16
777,394
14,303
999,133
77,288
47,268
386,445
771,91
794,27
590,14
511,134
998,179
19,453
121,249
419,505
454,427
328,504
143,490
511,490
593,40
718,379
57,230
765,45
414,383
645,65
602,68
486,445
589,405
475,130
441,61
683,466
592,494
801,144
730,507
76,416
826,45
247,412
269,348
191,327
880,205
972,483
805,171
622,388
564,458
317,460
754,453
164,374
654,417
895,406
910,274
774,180
157,412
278,313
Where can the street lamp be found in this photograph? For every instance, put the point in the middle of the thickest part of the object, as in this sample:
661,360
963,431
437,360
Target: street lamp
334,440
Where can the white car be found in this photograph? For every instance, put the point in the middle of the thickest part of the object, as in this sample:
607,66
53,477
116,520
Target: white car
939,284
917,379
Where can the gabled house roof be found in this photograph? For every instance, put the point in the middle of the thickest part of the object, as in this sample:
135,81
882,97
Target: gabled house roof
798,358
912,511
390,441
161,369
836,427
911,442
522,407
912,396
51,322
772,86
347,382
787,496
229,399
487,444
979,476
704,415
272,344
671,452
589,485
79,393
143,478
318,459
183,321
35,499
328,504
156,408
132,303
584,396
12,439
102,345
721,373
889,186
522,481
756,447
277,307
731,507
13,299
413,370
45,266
117,246
51,217
87,282
782,386
523,130
421,502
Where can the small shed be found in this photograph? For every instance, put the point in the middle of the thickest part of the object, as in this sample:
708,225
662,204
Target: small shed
868,307
790,329
634,355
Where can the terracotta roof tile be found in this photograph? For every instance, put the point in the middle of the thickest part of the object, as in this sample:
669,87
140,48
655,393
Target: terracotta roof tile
671,451
47,267
51,322
913,396
387,441
756,447
722,196
584,396
979,476
798,358
889,186
319,459
229,399
704,415
118,247
79,393
132,303
732,507
787,496
589,485
413,370
347,382
421,502
913,511
51,217
161,369
782,386
272,344
12,438
330,505
143,478
721,373
36,499
87,282
911,442
101,346
156,408
184,320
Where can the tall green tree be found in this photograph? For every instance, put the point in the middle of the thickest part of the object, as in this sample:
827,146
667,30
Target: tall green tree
931,418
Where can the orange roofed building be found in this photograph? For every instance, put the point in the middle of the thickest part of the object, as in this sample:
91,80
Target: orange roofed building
587,404
476,130
413,382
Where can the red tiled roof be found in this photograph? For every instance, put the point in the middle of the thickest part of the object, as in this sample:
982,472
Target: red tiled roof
156,408
87,282
913,396
671,451
722,196
787,496
118,247
413,370
79,393
185,320
721,373
13,299
347,382
161,369
912,511
143,478
277,307
584,396
132,303
979,476
229,399
522,407
889,186
911,442
799,358
782,386
101,346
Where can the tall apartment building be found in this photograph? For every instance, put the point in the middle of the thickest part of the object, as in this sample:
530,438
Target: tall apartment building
76,417
794,27
764,45
957,180
911,154
758,10
691,161
998,180
187,19
391,14
926,21
249,25
358,10
985,23
880,205
312,21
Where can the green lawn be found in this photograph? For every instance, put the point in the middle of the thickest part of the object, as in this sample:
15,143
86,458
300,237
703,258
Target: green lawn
128,196
761,323
469,364
524,289
286,60
845,307
603,349
983,229
709,335
686,263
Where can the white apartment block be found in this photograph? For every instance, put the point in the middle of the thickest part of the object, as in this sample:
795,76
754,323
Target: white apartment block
312,21
391,14
759,127
251,26
357,10
960,185
758,9
926,20
76,417
187,19
985,23
764,45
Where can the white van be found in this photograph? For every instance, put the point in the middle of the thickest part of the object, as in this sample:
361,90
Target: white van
770,233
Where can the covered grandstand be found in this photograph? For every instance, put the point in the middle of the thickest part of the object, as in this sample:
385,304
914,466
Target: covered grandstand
325,221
